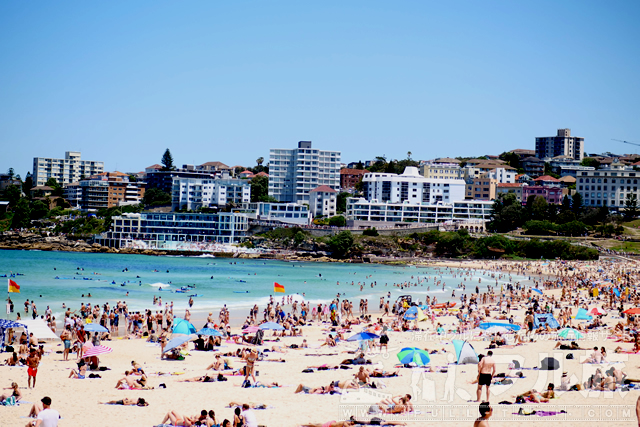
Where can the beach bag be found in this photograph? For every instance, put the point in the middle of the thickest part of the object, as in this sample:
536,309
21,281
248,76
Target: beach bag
569,356
246,384
222,377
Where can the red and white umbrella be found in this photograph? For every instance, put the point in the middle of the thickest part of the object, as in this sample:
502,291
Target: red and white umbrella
597,311
97,351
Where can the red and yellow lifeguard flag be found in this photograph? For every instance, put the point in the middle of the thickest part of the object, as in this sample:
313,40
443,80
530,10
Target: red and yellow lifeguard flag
277,287
14,287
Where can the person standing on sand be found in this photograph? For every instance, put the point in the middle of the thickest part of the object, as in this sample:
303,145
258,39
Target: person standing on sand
486,371
33,361
65,336
485,413
250,368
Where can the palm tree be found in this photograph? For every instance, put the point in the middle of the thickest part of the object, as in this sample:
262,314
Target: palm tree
409,155
260,160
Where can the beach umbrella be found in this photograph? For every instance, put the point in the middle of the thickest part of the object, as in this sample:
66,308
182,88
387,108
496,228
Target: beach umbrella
210,331
97,351
95,327
271,325
415,355
362,336
411,313
181,326
597,311
570,334
537,290
634,310
250,329
177,342
509,326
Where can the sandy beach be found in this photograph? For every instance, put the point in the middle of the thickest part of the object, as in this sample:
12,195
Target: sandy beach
437,396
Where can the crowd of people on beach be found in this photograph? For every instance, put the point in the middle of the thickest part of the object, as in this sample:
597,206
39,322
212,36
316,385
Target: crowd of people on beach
557,289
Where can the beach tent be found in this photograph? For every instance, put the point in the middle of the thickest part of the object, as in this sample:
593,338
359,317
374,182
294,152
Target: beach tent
545,319
411,313
421,316
549,364
6,324
40,329
582,315
465,352
511,326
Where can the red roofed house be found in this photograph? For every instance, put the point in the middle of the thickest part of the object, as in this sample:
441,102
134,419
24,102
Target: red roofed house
323,201
245,174
350,177
547,181
262,174
507,188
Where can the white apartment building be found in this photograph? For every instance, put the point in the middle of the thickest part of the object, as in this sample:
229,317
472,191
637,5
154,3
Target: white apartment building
293,173
65,171
410,186
608,186
196,193
323,201
441,171
563,144
287,213
361,210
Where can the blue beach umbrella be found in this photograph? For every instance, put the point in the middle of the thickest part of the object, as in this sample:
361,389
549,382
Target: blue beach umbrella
177,342
271,325
95,327
411,313
181,326
415,355
210,331
537,290
362,336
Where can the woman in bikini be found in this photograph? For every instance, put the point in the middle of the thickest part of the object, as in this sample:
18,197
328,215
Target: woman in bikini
15,393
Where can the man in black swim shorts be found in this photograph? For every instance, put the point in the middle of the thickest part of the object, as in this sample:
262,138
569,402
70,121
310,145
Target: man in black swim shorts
486,371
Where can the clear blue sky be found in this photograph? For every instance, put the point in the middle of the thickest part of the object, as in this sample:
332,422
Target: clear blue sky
121,81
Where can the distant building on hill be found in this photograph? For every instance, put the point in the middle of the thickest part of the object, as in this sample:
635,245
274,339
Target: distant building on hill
563,144
65,171
293,173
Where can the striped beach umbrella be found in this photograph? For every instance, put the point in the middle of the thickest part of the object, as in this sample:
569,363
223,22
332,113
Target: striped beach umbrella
415,355
97,351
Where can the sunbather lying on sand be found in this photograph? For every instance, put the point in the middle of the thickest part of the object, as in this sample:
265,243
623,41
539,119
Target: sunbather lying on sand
127,402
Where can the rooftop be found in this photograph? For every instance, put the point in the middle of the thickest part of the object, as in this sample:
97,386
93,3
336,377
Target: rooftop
323,189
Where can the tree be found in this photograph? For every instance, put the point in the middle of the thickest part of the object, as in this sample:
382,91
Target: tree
576,203
167,161
57,188
511,158
39,209
341,243
12,194
539,208
259,188
259,161
359,165
409,155
156,197
566,204
11,172
337,221
507,214
631,207
590,161
27,185
21,214
341,202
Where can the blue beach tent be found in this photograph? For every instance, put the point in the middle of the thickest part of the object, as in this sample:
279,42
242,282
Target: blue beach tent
511,326
465,353
6,324
545,319
582,315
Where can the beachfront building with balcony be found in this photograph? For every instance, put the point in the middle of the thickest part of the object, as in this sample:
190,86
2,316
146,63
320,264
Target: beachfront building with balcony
608,186
197,193
70,169
175,231
106,190
285,213
293,173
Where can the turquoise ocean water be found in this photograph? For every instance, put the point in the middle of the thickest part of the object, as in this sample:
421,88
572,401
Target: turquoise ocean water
237,283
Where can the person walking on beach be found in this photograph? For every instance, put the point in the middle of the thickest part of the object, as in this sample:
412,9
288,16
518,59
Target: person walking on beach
251,360
33,361
65,336
486,371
